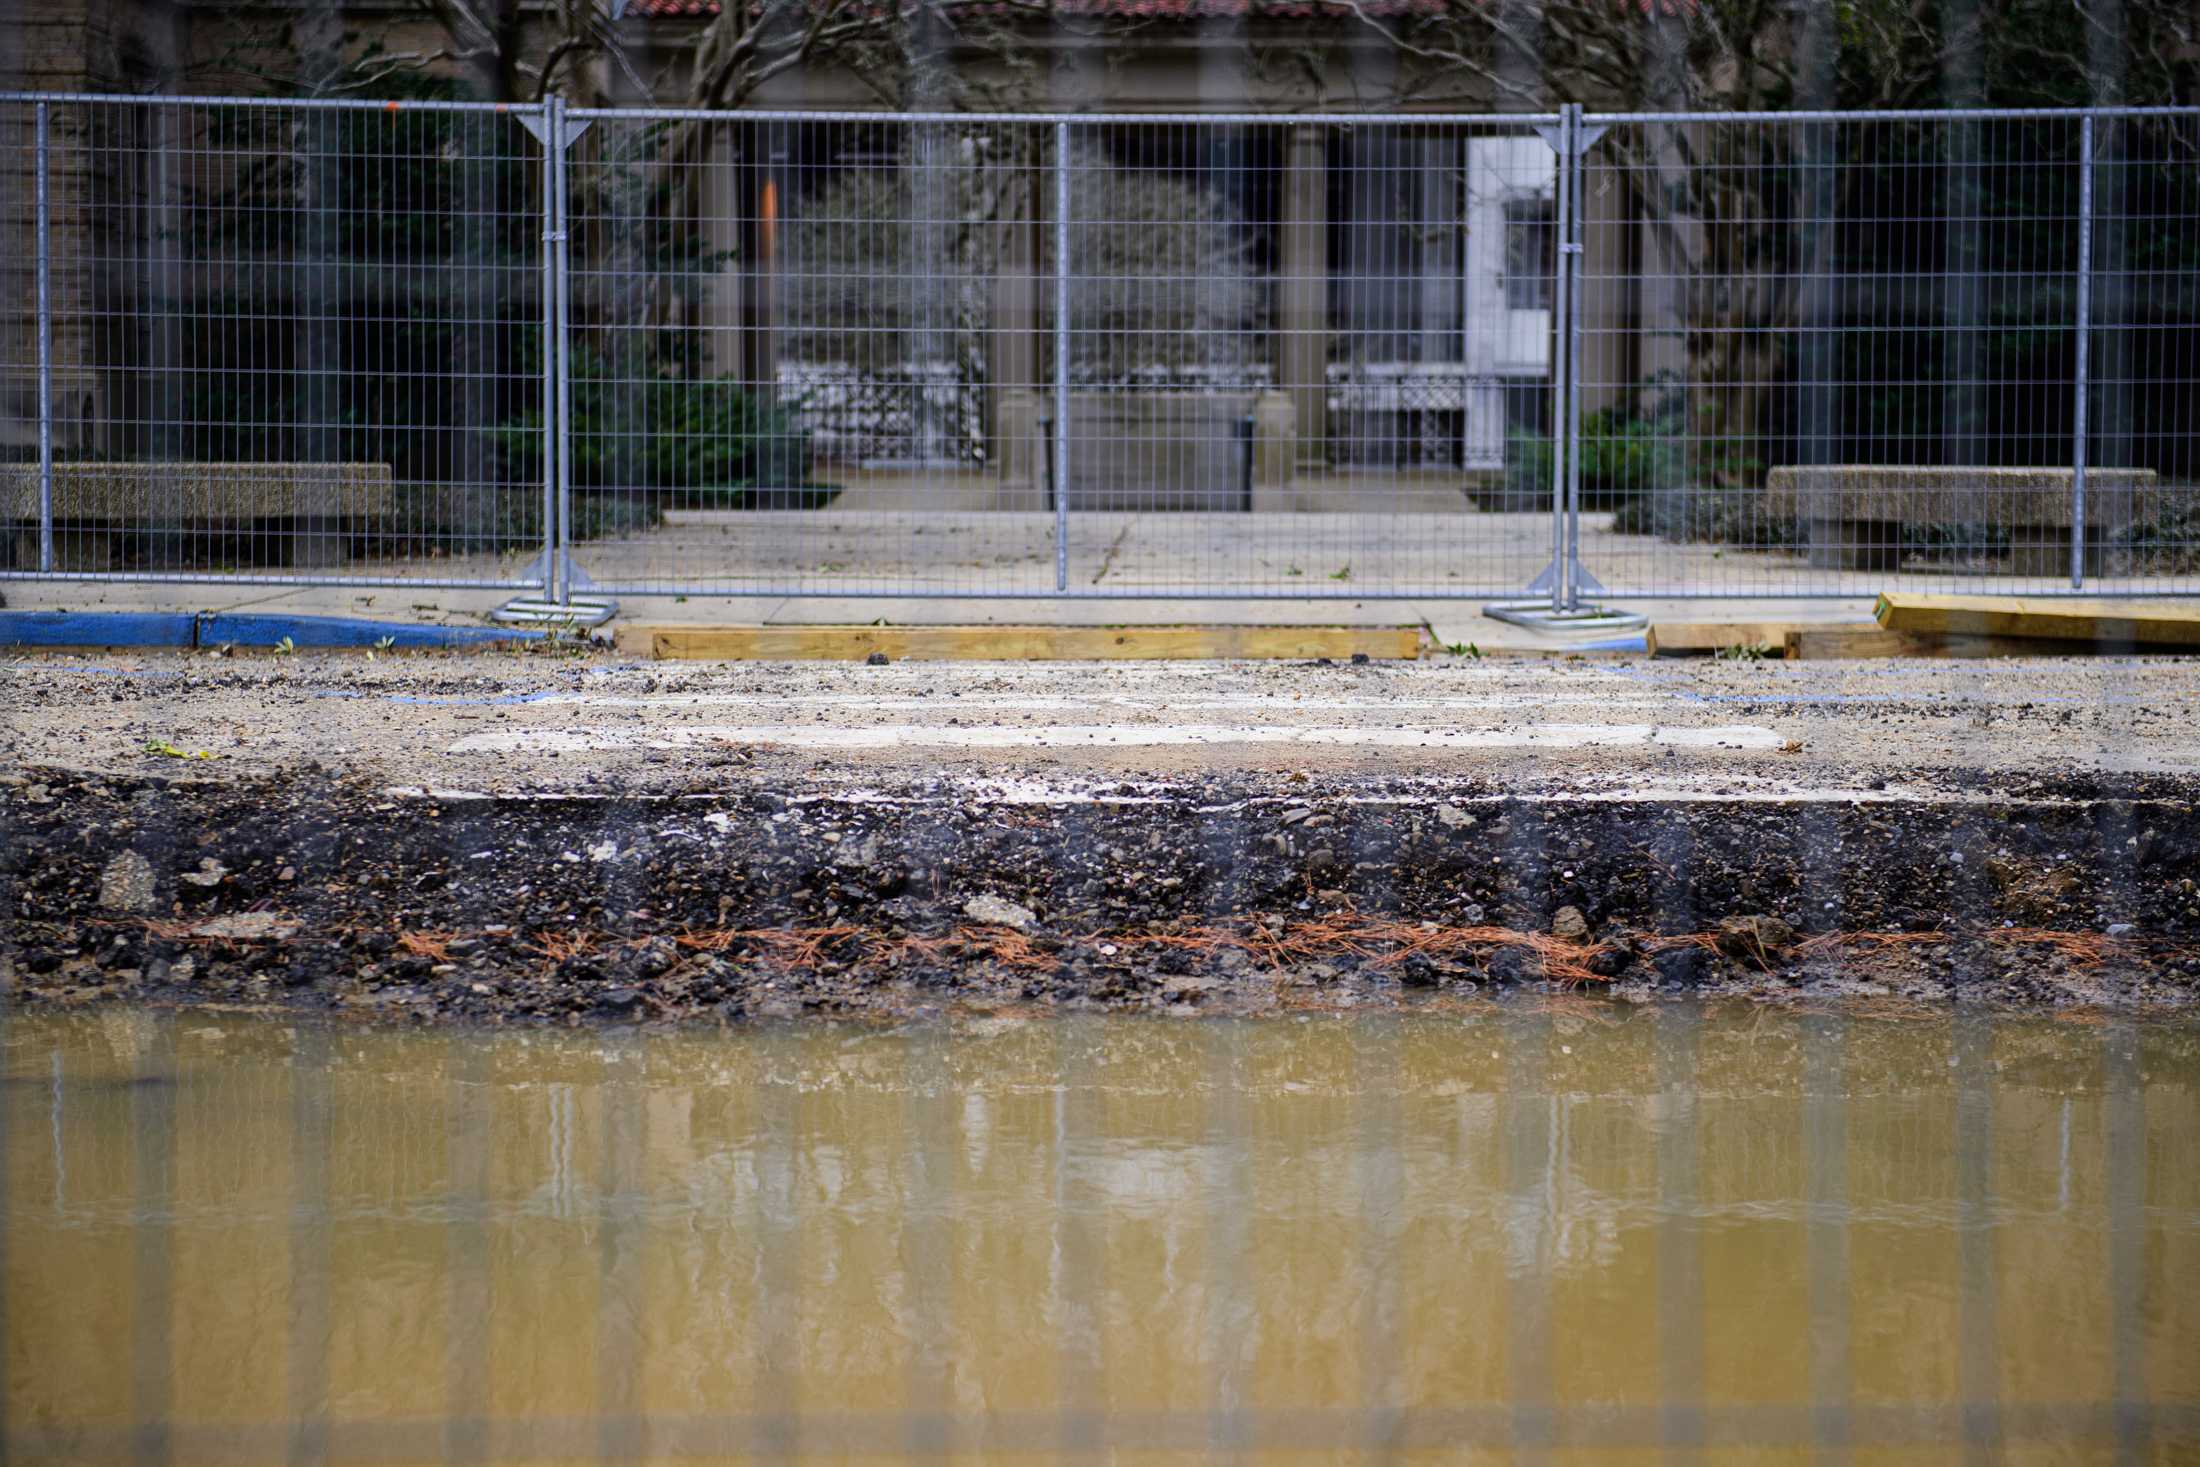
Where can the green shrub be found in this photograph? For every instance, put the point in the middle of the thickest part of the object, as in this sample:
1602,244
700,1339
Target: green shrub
693,442
1625,453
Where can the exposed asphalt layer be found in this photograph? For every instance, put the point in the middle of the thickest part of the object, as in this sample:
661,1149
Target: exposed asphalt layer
527,839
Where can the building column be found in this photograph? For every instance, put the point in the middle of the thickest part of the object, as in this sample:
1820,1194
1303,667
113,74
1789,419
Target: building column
1962,284
1302,324
1012,342
758,206
719,195
2114,365
1819,148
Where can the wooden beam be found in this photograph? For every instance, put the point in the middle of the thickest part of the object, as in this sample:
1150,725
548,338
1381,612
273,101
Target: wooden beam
1822,644
1014,643
2114,623
1705,638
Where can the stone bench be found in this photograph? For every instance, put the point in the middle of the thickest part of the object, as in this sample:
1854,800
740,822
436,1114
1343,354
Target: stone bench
1136,449
1853,514
306,512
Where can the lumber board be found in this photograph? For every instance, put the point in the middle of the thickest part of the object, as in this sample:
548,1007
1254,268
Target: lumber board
1704,638
2118,623
1822,644
1015,643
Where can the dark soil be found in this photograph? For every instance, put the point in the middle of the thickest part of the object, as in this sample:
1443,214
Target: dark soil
1233,893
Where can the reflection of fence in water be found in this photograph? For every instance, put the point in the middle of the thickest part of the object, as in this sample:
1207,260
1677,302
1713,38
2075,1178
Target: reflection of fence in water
1811,1229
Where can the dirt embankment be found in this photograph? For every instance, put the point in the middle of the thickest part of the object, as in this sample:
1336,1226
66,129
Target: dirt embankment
1234,893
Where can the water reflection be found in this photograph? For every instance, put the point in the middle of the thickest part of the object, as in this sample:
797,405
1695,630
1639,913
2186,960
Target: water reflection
1645,1233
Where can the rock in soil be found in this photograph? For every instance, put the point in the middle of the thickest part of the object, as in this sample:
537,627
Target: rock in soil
127,884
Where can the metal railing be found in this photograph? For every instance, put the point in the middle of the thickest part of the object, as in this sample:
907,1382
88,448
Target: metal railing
658,351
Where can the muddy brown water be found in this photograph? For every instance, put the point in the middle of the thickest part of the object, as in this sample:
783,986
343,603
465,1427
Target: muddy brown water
1556,1231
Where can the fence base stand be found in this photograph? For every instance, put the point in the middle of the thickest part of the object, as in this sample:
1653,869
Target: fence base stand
580,611
1542,616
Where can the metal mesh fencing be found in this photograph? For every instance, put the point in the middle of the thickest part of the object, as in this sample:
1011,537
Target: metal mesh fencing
272,341
1034,356
1346,287
1135,356
1930,351
797,347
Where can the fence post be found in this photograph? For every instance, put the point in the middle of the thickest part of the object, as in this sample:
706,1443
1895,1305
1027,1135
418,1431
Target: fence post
1562,595
2084,343
1565,579
45,354
553,427
1060,445
1577,147
562,275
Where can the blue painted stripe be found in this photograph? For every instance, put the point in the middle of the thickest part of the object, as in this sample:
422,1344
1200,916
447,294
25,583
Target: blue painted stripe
239,629
96,628
267,629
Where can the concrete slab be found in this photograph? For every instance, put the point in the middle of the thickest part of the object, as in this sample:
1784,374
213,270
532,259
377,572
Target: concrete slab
911,552
1450,622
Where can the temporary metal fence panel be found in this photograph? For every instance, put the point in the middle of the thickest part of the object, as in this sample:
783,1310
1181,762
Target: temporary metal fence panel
2138,393
1845,354
1008,355
1042,356
268,340
1307,358
799,348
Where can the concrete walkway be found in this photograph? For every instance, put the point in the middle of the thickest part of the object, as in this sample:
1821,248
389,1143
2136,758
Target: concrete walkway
976,567
1449,623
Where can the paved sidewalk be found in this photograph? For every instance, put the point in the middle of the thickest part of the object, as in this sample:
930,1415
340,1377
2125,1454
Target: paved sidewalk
1449,622
964,566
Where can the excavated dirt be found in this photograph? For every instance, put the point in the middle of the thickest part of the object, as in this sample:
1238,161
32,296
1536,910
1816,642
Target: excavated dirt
747,894
540,839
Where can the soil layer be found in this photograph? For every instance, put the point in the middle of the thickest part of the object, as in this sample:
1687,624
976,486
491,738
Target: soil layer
1236,892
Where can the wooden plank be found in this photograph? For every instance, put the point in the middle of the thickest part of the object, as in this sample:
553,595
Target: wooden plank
2117,623
1820,644
1705,638
1015,643
1814,644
